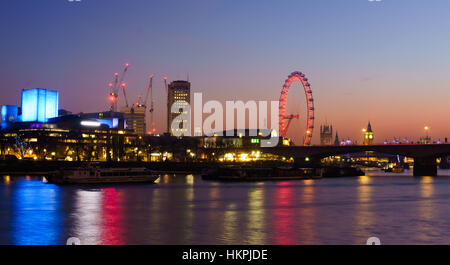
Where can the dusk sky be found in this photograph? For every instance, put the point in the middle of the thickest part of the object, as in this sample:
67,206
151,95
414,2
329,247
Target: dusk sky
387,62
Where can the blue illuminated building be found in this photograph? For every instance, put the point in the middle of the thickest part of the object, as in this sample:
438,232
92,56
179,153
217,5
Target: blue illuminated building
111,123
8,115
108,118
39,105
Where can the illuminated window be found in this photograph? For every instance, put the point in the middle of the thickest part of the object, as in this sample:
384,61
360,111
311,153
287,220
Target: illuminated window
254,141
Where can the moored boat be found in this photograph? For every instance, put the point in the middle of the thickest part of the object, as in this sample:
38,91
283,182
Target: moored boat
98,175
336,172
256,174
394,169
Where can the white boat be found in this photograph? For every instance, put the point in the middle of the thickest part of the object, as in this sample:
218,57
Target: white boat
91,175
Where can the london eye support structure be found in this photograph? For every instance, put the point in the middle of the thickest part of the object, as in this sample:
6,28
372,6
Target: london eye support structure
283,117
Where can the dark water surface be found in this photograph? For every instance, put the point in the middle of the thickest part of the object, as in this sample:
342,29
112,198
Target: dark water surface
399,209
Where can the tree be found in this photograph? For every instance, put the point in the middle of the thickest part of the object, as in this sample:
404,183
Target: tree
22,146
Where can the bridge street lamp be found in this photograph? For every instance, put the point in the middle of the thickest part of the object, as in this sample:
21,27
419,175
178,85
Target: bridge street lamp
364,130
427,139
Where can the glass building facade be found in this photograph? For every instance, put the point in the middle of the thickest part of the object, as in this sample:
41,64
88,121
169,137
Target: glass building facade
179,97
8,115
39,104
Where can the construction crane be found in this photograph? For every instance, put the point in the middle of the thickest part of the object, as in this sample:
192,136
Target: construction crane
167,99
124,94
113,95
150,90
142,103
165,85
114,88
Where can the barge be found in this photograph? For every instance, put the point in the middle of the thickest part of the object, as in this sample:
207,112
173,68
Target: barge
97,175
257,174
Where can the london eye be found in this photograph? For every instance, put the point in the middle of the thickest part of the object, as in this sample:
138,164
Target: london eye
286,119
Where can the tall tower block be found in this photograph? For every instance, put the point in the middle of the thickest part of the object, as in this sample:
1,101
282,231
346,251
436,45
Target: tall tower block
178,95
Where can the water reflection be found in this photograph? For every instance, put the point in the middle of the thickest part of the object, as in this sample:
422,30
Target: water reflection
188,235
283,215
426,187
307,213
111,220
365,217
7,179
427,211
184,209
190,179
214,212
155,215
256,219
171,218
230,224
36,214
165,179
88,216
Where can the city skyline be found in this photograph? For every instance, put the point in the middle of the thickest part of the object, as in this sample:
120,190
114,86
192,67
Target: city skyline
219,131
383,62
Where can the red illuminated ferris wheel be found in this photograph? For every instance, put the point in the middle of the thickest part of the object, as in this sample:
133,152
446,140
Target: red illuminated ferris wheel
283,126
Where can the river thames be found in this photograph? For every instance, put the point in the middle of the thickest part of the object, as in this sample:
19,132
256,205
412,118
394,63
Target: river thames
184,209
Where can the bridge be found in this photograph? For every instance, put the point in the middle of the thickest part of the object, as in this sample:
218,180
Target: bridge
424,155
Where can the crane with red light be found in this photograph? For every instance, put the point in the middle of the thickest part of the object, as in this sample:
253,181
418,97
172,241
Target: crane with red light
165,85
124,94
114,88
113,93
152,102
144,104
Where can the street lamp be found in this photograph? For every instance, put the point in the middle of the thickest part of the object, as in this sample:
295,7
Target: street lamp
364,130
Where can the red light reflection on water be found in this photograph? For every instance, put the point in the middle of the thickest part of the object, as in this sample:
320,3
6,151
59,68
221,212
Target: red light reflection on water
283,214
112,219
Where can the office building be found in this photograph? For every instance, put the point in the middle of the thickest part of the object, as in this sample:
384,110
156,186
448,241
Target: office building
135,118
179,96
